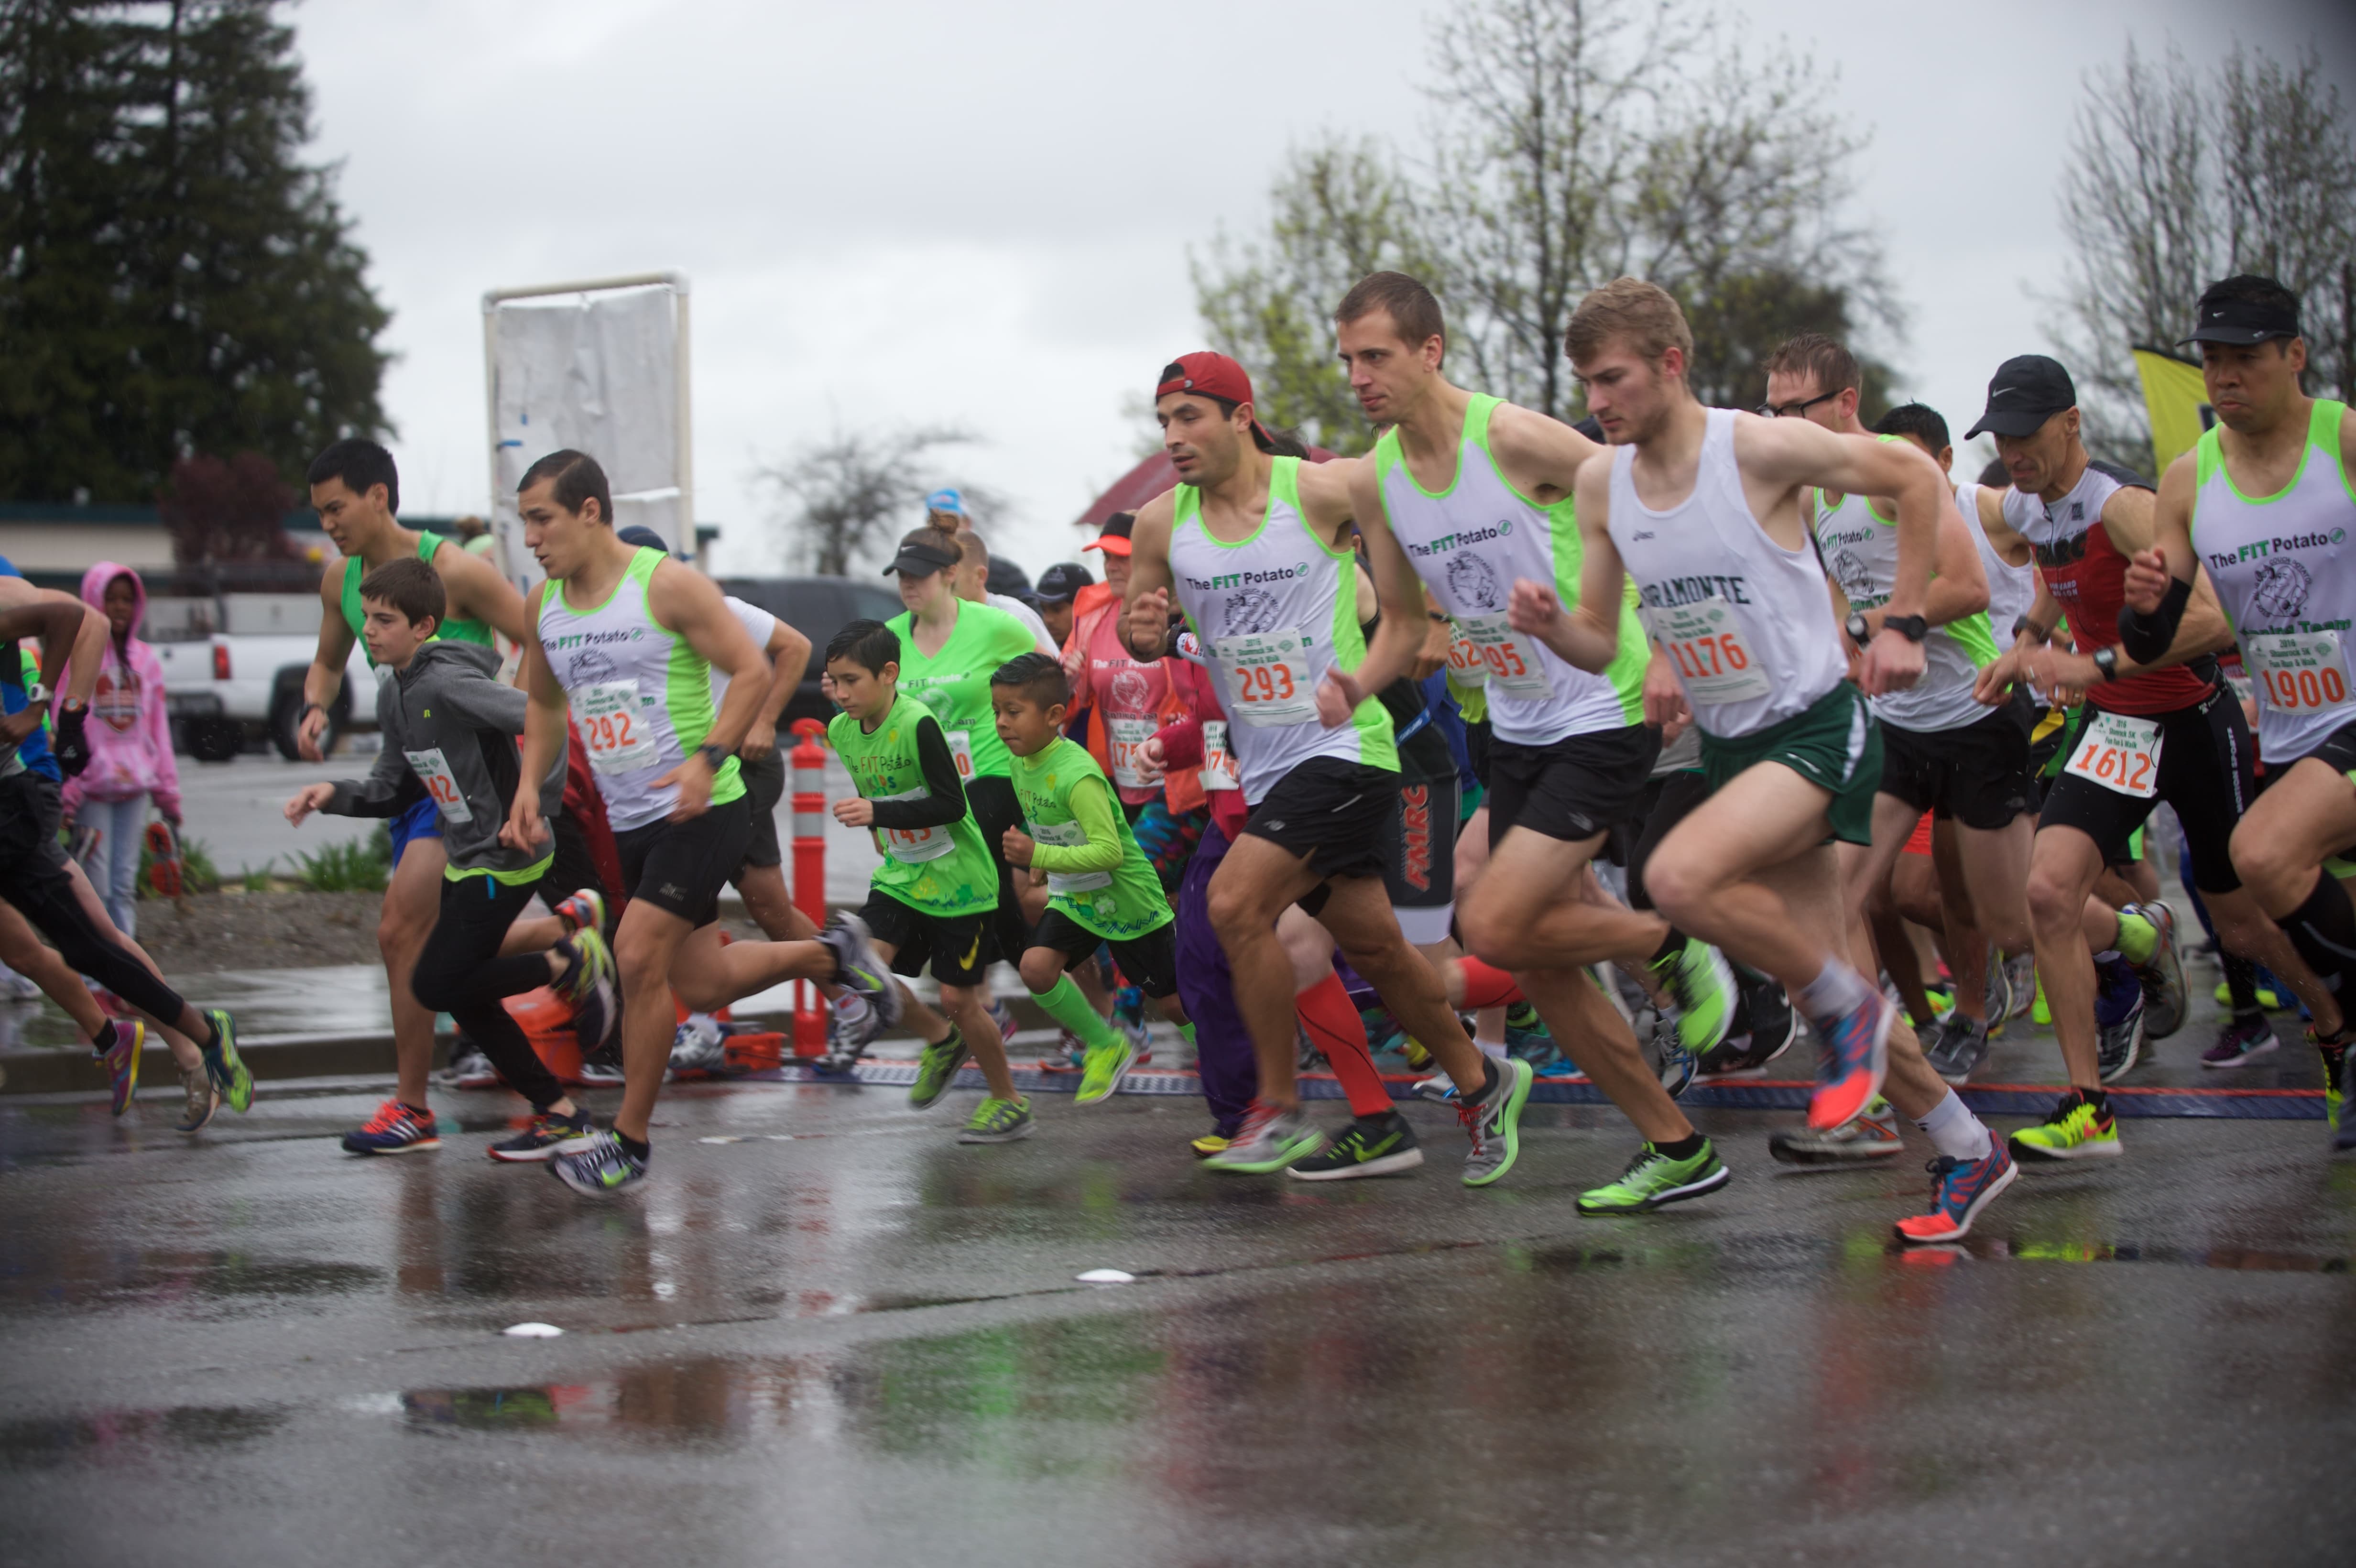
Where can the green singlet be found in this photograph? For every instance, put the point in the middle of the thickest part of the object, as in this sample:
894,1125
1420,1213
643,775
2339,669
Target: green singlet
1058,787
457,629
935,871
955,682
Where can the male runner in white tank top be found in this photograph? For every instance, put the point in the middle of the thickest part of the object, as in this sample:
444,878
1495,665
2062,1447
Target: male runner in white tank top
1257,551
1476,491
2266,503
630,638
1701,506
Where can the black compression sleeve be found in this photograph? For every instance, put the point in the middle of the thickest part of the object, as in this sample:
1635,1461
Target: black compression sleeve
2147,637
945,801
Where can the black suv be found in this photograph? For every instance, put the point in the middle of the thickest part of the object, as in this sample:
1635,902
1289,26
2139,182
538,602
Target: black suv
817,607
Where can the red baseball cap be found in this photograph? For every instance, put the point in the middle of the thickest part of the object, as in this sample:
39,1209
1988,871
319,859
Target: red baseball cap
1213,375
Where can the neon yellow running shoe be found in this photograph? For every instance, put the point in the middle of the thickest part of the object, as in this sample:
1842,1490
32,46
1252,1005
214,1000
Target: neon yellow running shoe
1653,1178
2078,1129
2269,998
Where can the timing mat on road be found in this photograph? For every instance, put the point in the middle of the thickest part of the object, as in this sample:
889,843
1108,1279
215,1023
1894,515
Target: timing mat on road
1756,1095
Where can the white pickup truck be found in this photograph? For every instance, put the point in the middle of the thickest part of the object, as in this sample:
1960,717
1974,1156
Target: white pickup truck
244,681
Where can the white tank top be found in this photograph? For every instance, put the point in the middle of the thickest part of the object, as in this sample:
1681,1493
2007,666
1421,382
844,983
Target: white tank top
1859,551
1276,611
1470,543
2011,588
1747,624
2284,570
640,696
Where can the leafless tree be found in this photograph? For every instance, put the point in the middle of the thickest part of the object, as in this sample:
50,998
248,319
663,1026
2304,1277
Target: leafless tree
843,498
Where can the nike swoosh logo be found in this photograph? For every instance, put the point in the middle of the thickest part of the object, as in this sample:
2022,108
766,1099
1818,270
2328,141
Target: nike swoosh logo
971,952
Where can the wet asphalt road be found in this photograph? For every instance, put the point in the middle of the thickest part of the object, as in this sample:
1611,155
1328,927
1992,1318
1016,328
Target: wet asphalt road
842,1337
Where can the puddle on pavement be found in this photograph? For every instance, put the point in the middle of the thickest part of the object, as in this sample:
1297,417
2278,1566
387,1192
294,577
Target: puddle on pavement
94,1277
118,1435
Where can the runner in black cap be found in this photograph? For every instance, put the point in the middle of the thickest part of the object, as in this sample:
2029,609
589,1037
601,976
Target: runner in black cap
1058,586
2266,502
2160,725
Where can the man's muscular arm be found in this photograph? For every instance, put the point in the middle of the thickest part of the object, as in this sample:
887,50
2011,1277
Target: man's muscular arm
477,592
1588,635
1539,456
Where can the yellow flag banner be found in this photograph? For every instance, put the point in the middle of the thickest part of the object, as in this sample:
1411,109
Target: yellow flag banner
2178,404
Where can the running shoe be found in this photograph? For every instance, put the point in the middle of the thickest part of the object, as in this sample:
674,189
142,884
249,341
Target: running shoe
587,982
16,988
1136,1030
1852,1059
937,1068
1106,1066
2020,978
2164,997
395,1129
469,1068
2077,1129
1672,1062
1701,984
1961,1046
542,1137
1996,992
1558,1068
202,1099
859,970
221,1061
1871,1134
1439,1089
1775,1025
596,1166
2269,998
121,1061
1270,1138
2118,1043
1074,1050
1004,1016
852,1025
585,911
2335,1084
1653,1178
1960,1188
1209,1144
1527,1035
1369,1146
699,1046
1418,1059
2239,1041
603,1073
997,1122
1493,1120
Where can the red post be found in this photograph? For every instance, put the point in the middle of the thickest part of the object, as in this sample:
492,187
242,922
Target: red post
808,758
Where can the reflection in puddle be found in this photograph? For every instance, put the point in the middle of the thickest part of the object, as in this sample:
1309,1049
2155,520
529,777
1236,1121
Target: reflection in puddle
132,1434
102,1278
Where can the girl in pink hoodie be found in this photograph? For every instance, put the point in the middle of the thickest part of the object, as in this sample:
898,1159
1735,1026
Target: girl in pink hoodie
130,745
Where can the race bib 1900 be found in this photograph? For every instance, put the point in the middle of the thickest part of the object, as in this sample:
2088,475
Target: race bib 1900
2299,672
2119,753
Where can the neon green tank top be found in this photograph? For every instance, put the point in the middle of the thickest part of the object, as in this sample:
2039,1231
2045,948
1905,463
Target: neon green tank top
457,629
1124,903
936,870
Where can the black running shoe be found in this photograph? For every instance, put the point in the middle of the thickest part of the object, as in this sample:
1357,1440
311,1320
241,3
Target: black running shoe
1370,1145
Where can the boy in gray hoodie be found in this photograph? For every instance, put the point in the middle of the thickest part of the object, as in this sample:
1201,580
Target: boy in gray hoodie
449,729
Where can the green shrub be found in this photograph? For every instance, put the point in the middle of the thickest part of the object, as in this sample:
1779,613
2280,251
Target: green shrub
350,867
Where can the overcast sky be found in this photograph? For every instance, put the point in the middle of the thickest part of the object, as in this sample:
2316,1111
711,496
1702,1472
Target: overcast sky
918,212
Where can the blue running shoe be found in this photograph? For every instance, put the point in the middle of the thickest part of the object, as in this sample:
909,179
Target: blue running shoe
121,1061
596,1166
1960,1188
394,1129
1852,1059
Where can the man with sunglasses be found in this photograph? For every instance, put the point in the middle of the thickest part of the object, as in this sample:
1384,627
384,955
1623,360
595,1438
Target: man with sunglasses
2160,725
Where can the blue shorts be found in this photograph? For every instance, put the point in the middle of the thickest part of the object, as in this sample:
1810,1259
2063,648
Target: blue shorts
423,820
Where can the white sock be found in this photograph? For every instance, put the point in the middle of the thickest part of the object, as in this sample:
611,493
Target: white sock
1953,1130
704,1019
1836,989
1492,1047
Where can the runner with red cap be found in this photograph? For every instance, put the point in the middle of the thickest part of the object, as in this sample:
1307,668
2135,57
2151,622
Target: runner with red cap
1257,549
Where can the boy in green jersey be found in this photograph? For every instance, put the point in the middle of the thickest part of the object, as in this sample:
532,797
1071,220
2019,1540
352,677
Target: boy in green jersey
935,893
1100,886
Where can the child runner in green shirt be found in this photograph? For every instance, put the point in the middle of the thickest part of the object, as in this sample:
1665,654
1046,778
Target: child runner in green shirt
936,892
1100,886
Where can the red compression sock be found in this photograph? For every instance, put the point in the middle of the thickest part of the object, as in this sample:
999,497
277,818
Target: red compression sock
1335,1028
1486,986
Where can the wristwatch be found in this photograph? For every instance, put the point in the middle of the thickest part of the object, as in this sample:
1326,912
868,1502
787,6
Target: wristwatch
2023,623
1913,628
2106,660
712,755
37,695
1858,633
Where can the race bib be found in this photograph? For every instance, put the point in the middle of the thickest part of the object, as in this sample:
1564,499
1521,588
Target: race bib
961,748
1220,769
913,846
1269,674
616,726
1127,736
2299,672
1464,661
2119,753
1706,643
433,770
1069,836
1511,662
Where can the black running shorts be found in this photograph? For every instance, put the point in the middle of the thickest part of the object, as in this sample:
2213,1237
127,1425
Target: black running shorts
681,867
1570,789
1342,817
765,785
961,948
1977,774
1149,962
2205,772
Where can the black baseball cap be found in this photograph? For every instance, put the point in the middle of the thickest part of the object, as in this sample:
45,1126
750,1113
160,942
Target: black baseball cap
1062,582
2027,390
2228,314
920,558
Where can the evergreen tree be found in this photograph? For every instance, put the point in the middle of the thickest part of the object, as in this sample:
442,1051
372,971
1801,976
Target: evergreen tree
173,279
